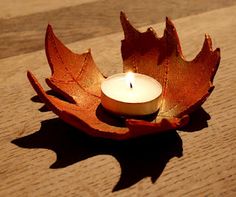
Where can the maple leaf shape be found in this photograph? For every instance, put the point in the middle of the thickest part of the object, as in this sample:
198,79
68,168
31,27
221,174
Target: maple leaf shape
186,85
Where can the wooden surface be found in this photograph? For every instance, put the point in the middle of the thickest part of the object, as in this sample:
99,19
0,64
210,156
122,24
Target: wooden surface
42,156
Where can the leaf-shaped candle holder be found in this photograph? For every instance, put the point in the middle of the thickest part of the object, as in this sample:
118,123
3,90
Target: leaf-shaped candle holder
186,84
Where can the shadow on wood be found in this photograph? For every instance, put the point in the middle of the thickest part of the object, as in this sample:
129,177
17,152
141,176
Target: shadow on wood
138,158
198,121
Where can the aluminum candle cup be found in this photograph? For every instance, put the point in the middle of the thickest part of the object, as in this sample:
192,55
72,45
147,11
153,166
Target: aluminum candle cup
131,94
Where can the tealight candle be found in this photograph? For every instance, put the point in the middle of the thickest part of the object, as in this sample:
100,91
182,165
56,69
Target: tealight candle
131,94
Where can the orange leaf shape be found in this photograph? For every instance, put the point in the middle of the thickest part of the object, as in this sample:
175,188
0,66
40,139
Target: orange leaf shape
186,85
74,76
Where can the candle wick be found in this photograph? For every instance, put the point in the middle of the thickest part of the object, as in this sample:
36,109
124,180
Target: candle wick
130,84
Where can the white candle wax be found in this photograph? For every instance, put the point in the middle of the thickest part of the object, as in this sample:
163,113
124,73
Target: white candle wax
131,94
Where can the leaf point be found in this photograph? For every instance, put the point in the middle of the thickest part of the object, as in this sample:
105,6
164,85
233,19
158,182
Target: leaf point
208,42
49,27
129,30
169,25
172,37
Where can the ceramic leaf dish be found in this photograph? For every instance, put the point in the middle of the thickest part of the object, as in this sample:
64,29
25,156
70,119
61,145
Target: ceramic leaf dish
186,84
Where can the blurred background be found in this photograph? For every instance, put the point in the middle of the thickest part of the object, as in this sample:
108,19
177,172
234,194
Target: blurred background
23,22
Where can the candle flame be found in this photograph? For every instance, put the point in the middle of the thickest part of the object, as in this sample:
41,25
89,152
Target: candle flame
130,78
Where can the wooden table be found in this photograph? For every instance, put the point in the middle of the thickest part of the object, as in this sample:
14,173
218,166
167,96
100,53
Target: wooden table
40,155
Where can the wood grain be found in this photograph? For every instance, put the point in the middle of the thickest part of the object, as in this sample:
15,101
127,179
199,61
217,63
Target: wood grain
92,167
15,8
25,34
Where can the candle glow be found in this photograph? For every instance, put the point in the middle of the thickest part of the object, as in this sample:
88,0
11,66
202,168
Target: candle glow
130,94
